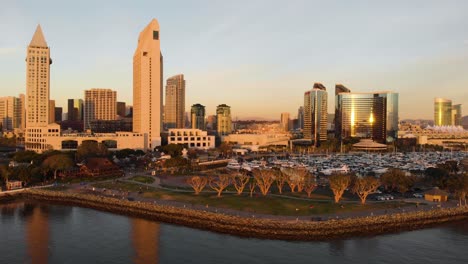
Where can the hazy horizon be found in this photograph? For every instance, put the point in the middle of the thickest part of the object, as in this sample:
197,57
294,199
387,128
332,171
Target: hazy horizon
259,57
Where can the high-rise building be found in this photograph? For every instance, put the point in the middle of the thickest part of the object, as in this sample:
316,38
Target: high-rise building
51,111
457,115
22,125
121,109
99,104
58,114
174,110
315,114
11,110
284,122
37,81
75,110
223,118
198,116
367,115
442,112
300,118
211,123
147,85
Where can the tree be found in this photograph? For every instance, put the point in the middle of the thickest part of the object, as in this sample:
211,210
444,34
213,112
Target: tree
58,162
219,183
240,180
310,185
25,156
91,148
264,179
197,183
225,148
174,150
23,173
396,179
459,185
295,177
437,177
280,179
365,186
252,186
5,172
338,184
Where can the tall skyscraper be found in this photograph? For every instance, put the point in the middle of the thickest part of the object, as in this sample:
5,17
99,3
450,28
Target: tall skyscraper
442,112
300,118
37,81
284,122
147,85
223,118
51,111
315,114
457,115
121,109
198,116
58,114
367,115
99,104
174,111
11,110
75,110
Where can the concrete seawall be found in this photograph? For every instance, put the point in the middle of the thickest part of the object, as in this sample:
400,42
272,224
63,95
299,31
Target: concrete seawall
252,227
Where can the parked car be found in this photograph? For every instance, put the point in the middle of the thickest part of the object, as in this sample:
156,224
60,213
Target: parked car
418,195
380,198
388,197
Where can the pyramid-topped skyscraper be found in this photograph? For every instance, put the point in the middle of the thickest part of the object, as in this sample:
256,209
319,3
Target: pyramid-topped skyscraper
37,81
147,85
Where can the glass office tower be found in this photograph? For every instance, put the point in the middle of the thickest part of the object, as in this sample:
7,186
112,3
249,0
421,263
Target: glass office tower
442,112
367,115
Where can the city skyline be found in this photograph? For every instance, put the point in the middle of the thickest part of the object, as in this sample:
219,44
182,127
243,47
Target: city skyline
394,52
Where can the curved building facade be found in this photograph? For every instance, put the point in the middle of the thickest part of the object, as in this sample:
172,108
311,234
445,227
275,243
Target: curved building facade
442,112
367,115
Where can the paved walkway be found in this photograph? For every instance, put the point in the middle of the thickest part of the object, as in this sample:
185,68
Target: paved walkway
353,214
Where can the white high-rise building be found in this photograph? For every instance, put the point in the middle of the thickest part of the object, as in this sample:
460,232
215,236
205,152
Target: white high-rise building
174,109
99,104
37,81
284,122
11,110
148,86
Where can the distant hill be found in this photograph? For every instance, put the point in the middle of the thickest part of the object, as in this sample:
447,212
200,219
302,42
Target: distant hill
465,122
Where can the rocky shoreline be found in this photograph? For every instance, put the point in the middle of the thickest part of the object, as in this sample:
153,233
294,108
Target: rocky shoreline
252,227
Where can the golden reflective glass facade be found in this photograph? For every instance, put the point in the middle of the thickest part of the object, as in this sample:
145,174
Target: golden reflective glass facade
367,115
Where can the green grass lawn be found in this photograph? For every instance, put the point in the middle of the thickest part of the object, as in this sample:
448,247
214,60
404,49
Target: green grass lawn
257,204
269,204
142,179
122,186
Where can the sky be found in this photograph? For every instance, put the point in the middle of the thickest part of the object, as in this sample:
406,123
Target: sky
258,56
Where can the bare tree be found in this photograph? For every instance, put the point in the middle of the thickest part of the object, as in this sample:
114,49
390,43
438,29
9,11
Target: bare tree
280,181
252,188
240,180
310,185
197,183
219,183
338,184
264,180
295,177
365,186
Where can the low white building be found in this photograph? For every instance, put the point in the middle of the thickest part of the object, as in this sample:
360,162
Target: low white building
255,141
51,137
192,138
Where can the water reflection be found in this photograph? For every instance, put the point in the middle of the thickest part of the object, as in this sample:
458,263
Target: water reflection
145,241
37,232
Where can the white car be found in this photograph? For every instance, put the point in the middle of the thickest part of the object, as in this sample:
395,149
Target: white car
418,195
